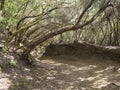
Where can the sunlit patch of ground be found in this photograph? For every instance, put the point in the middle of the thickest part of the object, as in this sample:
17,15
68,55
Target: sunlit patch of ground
4,81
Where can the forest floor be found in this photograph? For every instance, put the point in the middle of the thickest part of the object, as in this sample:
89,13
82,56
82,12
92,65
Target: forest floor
60,73
63,73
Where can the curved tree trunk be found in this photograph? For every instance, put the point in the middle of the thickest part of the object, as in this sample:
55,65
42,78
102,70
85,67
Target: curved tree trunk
77,26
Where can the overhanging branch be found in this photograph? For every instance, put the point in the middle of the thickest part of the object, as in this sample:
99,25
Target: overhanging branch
33,44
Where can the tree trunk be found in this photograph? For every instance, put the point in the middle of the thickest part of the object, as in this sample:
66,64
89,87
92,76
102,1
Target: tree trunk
2,4
26,56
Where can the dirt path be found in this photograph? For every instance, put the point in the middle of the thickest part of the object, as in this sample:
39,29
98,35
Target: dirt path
64,74
75,74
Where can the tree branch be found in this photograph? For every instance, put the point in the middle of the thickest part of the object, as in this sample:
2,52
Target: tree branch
34,16
84,11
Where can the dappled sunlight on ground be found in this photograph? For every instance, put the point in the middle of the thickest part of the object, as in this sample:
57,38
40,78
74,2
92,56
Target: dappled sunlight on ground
4,81
63,74
69,76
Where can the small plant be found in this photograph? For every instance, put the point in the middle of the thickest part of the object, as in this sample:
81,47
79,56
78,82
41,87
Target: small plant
21,83
5,49
13,63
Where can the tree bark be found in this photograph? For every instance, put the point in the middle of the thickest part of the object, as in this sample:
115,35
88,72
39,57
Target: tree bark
2,4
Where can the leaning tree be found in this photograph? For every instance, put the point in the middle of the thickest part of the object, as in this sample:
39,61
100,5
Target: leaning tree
29,23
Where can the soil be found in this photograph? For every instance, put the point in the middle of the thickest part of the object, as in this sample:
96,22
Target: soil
61,72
